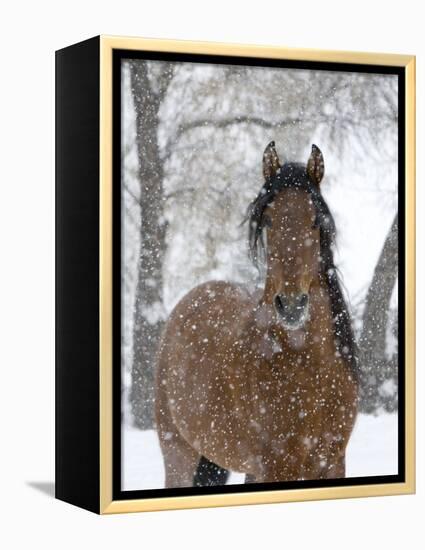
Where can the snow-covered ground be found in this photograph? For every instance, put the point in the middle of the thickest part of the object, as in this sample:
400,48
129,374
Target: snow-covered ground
372,451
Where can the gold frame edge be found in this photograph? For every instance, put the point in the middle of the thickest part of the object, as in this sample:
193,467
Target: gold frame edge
106,503
105,275
410,266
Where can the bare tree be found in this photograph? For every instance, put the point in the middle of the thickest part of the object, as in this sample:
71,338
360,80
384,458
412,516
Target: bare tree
378,373
148,90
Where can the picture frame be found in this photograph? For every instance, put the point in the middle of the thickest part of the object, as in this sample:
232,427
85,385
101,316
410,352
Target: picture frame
90,219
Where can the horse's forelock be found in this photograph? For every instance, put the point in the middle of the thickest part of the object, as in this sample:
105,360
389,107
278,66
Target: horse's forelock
291,175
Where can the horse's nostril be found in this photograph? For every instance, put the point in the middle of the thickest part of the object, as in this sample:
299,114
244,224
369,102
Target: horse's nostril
302,300
292,309
280,303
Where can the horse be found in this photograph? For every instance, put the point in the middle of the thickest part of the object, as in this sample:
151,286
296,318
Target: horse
263,383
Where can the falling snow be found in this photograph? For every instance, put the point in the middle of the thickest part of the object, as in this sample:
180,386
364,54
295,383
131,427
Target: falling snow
213,122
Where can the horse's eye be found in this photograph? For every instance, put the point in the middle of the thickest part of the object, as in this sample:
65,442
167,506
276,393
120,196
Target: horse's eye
266,222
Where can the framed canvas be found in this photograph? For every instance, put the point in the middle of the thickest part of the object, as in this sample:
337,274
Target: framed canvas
235,274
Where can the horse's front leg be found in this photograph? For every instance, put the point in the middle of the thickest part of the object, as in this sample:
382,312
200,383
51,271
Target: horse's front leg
337,469
250,478
285,465
325,461
334,468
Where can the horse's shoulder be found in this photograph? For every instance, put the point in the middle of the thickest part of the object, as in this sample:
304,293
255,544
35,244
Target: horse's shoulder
214,291
214,300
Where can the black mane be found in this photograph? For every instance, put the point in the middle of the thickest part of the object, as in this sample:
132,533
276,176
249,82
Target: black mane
294,175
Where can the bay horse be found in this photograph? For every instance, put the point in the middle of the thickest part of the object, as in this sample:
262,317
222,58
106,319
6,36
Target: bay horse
265,383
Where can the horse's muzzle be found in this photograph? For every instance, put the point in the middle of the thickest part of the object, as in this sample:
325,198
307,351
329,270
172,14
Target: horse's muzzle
292,310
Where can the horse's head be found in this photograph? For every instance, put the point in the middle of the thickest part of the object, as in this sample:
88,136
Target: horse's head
297,222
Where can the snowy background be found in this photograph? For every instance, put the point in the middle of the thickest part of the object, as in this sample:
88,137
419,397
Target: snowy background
193,138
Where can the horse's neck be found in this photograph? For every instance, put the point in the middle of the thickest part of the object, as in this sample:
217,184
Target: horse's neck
317,332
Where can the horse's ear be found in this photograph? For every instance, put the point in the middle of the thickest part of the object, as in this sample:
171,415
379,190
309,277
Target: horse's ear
271,162
316,165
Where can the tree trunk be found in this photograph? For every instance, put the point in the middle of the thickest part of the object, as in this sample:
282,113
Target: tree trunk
148,305
375,367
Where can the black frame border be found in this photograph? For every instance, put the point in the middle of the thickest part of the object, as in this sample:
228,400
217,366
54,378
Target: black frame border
118,56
